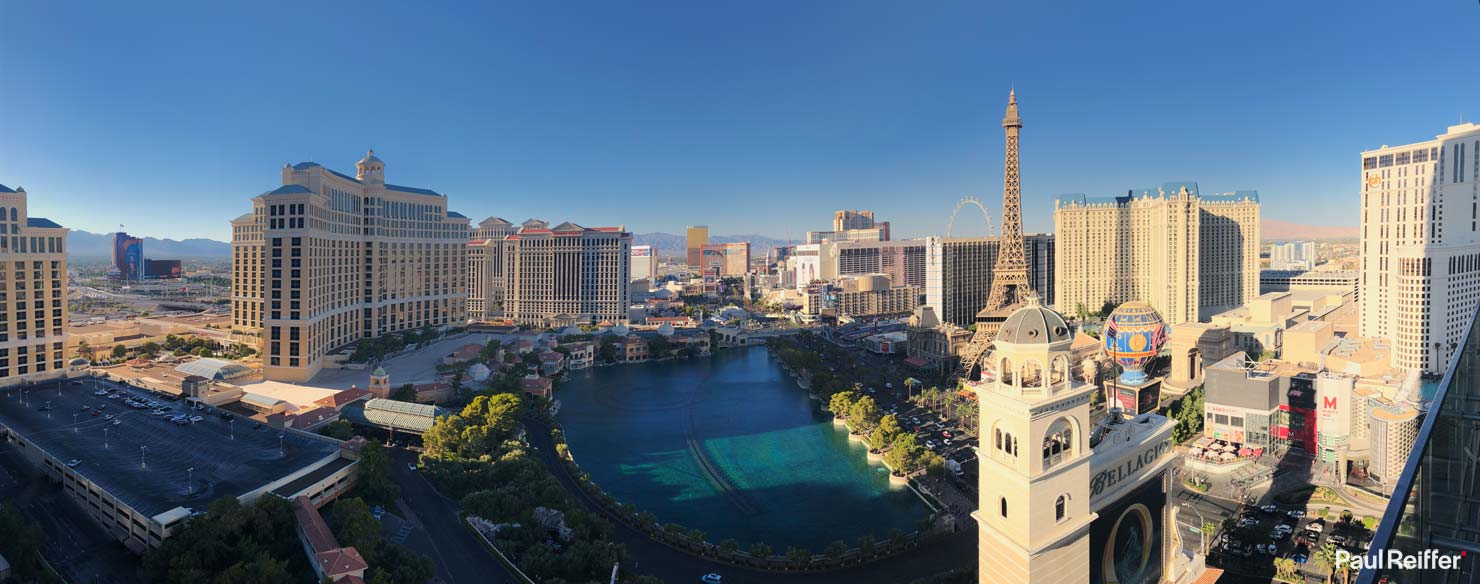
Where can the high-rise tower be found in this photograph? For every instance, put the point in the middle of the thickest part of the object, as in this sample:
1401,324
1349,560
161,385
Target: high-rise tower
1010,276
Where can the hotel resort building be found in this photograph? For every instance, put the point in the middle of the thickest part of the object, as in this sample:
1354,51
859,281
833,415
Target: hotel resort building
33,293
328,259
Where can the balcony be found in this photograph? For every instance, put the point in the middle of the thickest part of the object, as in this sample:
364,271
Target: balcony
1436,502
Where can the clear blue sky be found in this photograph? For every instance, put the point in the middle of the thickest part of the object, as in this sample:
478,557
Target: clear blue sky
751,117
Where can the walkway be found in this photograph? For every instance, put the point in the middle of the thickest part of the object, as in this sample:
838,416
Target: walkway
647,556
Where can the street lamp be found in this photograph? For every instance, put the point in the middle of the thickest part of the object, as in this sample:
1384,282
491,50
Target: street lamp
105,437
142,449
231,426
74,423
189,480
280,445
1202,536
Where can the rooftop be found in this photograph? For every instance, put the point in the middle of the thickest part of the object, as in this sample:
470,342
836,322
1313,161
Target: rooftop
223,465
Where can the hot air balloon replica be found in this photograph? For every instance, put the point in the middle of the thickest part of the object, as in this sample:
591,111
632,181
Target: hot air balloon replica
1134,334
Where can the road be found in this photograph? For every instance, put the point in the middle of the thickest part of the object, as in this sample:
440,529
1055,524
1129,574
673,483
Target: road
650,557
439,534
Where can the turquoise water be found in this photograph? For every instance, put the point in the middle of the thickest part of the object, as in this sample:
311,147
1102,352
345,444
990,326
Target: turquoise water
728,444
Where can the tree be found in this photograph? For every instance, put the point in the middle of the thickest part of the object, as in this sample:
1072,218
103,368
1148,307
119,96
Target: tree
866,544
659,346
1188,412
729,545
933,463
84,350
1208,530
759,550
1325,557
405,393
841,402
354,525
150,348
375,474
695,536
885,433
798,555
119,351
1286,569
904,454
864,414
339,430
20,541
606,350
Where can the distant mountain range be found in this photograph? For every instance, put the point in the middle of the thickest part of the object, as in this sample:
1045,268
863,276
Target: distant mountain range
1272,230
82,244
670,245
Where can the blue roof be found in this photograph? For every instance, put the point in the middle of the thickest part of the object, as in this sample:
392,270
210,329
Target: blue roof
308,165
414,190
291,190
5,189
41,222
456,215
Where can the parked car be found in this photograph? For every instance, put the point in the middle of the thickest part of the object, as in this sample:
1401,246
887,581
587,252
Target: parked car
711,578
1296,513
73,463
1269,509
195,419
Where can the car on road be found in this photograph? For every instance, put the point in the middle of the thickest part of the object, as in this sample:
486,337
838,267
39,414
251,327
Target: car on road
83,408
1269,509
711,578
1296,513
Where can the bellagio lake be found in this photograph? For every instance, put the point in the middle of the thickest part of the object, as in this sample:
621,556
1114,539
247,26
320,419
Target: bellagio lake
730,445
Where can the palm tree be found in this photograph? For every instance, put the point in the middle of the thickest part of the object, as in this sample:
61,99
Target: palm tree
1285,569
1208,529
910,384
1326,558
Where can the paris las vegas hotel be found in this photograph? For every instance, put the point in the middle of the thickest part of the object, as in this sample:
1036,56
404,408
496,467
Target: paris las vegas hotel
327,259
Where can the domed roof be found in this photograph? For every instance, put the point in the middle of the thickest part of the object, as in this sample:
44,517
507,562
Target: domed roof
1034,324
379,372
370,158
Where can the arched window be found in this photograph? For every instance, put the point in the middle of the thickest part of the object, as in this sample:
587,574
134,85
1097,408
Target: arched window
997,435
1004,507
1059,507
1058,442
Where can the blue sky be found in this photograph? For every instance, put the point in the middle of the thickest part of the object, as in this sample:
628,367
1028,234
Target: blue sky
751,117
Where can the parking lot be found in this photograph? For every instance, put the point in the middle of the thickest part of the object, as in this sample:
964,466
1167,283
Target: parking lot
140,456
1260,534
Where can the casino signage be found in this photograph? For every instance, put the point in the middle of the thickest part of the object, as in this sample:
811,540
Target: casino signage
1127,468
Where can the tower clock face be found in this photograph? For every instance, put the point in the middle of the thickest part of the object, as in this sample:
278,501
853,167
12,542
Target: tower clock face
1372,180
1128,551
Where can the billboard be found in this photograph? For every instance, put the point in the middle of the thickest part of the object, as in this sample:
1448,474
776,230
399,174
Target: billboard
1125,540
128,256
1333,406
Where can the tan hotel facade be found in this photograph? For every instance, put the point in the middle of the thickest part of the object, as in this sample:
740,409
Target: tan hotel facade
328,259
1420,246
1187,255
33,293
565,275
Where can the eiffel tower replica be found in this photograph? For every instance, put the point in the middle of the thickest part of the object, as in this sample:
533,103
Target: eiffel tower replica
1010,288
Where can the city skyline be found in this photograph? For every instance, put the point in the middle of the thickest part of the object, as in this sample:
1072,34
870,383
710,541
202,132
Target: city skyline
839,113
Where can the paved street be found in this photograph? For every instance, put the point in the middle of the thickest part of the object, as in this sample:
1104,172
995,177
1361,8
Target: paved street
439,533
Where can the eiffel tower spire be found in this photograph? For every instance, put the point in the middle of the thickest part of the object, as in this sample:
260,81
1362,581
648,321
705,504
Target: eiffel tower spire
1010,275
